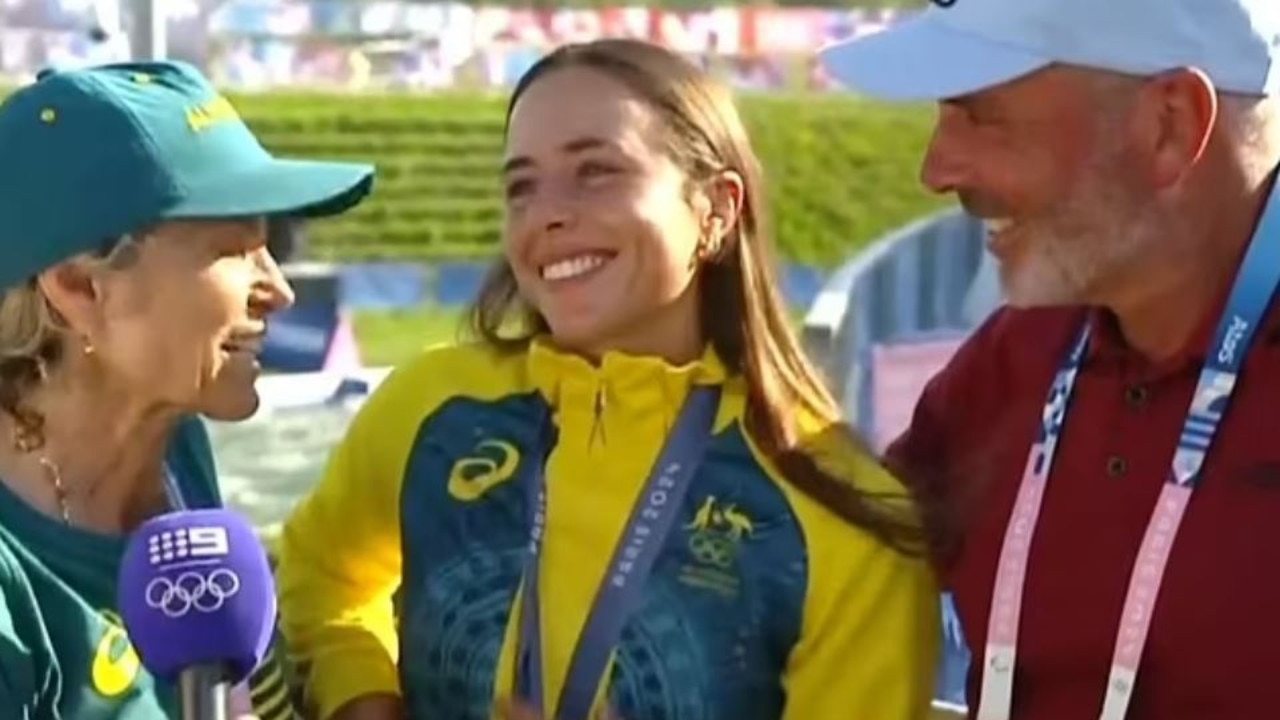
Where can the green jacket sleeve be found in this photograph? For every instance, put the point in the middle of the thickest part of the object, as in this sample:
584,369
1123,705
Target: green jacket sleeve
19,689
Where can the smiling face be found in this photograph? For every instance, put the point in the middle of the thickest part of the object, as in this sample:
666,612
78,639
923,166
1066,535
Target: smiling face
1052,173
177,319
603,230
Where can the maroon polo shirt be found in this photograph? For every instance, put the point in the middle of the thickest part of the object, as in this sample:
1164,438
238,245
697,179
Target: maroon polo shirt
1213,652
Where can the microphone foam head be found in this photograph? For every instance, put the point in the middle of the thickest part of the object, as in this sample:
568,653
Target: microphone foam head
195,588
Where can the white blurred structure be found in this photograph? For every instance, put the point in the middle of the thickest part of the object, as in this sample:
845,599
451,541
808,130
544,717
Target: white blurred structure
148,28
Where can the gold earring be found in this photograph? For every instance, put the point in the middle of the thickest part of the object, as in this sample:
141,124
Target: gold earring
28,430
88,348
708,249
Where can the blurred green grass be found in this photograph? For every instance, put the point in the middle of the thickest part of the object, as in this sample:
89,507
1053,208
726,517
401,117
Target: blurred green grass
389,337
840,170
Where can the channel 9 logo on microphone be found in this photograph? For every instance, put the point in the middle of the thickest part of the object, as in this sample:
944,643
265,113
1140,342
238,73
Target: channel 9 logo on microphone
201,584
196,587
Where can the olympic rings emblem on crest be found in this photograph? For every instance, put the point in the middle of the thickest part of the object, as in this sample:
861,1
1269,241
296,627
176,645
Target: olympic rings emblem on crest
192,591
712,549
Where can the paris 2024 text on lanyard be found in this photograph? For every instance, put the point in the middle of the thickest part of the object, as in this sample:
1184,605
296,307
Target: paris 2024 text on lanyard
650,522
1250,296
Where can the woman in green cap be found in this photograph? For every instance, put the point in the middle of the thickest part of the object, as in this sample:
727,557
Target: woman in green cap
135,287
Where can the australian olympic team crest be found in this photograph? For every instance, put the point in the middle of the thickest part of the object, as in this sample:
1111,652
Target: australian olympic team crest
714,538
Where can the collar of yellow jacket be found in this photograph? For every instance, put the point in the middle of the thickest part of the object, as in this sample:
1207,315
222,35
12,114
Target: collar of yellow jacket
568,380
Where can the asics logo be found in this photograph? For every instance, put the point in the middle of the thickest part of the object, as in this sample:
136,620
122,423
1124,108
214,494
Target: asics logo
493,462
192,591
115,662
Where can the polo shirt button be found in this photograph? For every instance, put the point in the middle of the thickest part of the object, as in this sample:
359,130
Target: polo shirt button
1136,395
1116,466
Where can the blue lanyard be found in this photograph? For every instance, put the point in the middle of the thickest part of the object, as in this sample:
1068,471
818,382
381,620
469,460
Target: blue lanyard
633,557
1250,297
1251,294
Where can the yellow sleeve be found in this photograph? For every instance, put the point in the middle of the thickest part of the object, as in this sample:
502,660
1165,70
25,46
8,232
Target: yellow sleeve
871,634
340,559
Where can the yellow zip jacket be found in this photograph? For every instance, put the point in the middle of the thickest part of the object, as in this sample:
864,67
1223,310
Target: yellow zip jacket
401,572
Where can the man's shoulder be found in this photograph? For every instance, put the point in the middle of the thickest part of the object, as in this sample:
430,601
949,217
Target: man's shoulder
1013,340
1006,362
1013,324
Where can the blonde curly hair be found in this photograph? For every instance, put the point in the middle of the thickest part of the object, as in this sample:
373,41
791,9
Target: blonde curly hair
32,343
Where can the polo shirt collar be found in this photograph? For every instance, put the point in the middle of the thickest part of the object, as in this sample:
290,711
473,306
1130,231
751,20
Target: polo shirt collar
1108,348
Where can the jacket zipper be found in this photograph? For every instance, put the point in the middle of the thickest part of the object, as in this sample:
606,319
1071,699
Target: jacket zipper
597,423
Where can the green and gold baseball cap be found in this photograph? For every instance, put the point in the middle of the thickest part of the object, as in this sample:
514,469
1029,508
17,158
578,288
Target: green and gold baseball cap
89,155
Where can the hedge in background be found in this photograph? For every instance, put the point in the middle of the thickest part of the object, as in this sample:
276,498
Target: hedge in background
840,171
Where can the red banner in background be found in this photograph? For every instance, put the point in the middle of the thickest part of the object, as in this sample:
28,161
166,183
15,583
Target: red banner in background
718,31
260,43
774,31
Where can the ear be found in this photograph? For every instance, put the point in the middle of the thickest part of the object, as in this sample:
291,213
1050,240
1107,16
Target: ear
1182,111
72,291
721,210
728,192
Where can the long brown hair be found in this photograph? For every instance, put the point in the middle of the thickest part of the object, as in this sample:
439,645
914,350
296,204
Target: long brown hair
742,312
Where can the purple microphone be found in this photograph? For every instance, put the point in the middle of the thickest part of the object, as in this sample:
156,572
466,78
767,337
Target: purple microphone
198,601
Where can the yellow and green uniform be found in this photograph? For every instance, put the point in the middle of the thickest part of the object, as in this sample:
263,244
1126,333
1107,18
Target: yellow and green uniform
402,571
63,653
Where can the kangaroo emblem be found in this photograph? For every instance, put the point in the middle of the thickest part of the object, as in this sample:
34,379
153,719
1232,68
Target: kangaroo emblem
730,518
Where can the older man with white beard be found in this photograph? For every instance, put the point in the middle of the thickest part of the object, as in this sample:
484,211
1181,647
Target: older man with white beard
1107,441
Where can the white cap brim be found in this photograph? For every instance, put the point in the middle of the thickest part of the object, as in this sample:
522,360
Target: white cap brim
924,59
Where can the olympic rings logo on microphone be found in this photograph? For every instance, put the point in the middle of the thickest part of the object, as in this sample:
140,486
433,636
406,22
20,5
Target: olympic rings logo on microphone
192,591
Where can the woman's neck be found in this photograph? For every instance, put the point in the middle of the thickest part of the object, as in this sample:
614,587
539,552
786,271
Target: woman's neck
675,335
107,453
673,351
